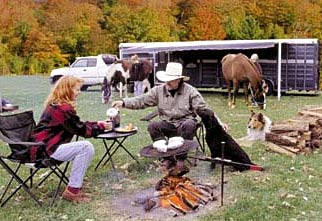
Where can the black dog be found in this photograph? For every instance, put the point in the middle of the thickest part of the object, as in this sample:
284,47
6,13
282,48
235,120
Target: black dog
215,134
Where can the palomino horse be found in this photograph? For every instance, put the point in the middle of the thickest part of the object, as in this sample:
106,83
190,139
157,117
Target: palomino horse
123,70
236,69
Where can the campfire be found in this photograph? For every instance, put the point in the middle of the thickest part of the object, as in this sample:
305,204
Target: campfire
181,194
175,191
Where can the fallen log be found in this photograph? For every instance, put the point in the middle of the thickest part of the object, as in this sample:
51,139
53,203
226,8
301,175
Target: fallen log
279,149
290,127
287,133
291,149
315,109
311,113
305,136
301,144
280,140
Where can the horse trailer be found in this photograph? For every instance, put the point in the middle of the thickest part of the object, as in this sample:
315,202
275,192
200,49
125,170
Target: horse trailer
287,64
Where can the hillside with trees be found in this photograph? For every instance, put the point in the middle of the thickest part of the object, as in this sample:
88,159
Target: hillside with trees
38,35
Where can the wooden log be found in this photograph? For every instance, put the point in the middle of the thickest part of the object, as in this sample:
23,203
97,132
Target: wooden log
291,149
302,120
287,133
315,109
305,136
281,140
311,113
316,143
301,144
319,122
278,149
290,127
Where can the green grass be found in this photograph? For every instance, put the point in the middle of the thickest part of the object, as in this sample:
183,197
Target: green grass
290,189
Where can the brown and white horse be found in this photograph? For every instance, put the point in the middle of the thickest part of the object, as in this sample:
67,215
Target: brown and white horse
236,69
123,70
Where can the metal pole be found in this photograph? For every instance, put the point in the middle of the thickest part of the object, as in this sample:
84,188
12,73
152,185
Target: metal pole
279,70
253,167
222,172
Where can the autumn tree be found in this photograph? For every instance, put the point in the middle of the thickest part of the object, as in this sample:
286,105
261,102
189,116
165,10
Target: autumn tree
136,23
205,22
75,26
309,20
16,22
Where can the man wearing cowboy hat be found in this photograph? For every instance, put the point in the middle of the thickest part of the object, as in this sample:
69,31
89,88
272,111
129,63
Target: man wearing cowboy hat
254,59
177,104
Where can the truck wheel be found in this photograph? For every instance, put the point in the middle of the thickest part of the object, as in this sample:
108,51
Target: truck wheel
84,87
56,78
270,88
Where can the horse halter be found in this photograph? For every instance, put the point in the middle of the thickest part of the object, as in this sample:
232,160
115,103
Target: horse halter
253,99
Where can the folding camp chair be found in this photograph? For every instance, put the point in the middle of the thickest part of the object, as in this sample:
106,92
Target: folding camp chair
199,132
15,130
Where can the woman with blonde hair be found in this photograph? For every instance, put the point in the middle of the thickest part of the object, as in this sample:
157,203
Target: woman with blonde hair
56,128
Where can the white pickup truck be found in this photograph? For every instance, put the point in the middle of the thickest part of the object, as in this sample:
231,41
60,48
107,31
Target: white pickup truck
92,69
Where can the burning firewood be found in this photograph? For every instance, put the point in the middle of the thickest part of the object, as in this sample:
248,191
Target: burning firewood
188,198
180,193
177,203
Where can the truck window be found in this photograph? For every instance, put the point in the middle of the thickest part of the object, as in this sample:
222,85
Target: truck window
91,62
80,63
109,59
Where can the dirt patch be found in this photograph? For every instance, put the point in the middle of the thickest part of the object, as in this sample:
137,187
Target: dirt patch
126,206
122,205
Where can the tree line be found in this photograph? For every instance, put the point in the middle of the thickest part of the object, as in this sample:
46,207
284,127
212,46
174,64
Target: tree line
39,35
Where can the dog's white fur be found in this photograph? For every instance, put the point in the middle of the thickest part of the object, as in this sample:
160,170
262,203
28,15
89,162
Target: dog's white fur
258,133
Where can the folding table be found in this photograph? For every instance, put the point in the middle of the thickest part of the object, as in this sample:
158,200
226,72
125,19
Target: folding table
117,139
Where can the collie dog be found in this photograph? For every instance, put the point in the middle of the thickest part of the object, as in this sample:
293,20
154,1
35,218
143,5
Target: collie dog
257,126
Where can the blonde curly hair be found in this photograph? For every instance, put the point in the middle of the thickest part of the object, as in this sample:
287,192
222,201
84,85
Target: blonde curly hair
62,92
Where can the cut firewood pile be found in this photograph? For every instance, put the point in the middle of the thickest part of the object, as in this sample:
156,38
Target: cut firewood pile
303,134
181,195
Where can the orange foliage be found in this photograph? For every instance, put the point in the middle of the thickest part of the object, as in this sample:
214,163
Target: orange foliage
205,24
14,12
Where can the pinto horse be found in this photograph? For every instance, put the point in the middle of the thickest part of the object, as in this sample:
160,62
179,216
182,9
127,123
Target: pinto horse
123,70
236,69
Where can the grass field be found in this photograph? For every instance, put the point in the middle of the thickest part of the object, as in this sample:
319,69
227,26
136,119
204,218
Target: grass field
290,189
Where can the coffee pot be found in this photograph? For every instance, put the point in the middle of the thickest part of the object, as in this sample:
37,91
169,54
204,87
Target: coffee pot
113,114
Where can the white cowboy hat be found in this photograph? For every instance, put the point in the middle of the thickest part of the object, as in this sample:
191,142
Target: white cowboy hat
135,59
254,57
172,72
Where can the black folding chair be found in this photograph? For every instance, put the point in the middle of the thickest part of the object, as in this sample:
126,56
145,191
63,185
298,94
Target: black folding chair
15,131
199,132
